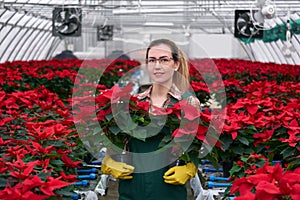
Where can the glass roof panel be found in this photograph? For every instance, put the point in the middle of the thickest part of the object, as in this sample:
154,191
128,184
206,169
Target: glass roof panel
17,17
38,1
258,53
49,26
15,41
40,45
4,31
2,11
6,16
10,38
29,53
31,22
272,52
198,17
43,23
4,42
22,1
27,44
24,20
37,24
278,52
25,33
44,51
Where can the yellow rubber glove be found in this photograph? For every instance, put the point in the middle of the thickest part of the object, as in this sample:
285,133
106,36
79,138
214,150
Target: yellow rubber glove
118,170
179,175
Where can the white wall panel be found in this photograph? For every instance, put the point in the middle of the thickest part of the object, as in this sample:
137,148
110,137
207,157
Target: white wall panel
212,46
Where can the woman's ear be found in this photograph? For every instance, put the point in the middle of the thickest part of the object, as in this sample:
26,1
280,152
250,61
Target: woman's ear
176,66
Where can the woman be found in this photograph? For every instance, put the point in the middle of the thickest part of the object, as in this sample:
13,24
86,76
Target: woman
168,69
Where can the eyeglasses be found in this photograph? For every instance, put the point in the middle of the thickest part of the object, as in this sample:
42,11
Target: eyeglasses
163,60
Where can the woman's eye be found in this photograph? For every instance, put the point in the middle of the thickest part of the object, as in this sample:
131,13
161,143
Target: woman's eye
164,60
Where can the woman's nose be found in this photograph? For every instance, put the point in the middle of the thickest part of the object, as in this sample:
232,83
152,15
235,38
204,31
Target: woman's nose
157,64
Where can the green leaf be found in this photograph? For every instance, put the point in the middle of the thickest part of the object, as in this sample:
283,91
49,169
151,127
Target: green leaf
141,119
51,155
43,175
293,164
248,151
237,150
243,140
288,152
109,116
140,134
3,182
252,127
260,163
244,159
125,122
130,125
114,129
235,169
97,130
59,143
213,158
57,163
226,142
66,191
259,148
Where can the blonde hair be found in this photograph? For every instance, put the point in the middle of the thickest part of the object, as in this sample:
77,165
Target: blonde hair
181,78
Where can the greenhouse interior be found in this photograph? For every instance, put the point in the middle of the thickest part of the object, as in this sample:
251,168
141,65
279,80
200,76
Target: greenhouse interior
87,113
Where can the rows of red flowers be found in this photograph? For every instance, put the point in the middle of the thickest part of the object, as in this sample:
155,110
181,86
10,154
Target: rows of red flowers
261,126
37,144
40,147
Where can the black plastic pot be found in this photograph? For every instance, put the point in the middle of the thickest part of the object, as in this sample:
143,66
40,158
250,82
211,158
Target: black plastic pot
227,165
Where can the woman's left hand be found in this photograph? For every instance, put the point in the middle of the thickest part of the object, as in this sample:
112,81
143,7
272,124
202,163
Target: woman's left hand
179,175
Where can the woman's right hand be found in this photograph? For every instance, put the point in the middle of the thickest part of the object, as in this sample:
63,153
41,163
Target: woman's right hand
118,170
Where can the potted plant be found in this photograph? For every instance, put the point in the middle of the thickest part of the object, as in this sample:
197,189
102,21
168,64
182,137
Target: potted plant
120,117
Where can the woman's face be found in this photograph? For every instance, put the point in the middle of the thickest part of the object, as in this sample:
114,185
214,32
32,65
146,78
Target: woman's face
161,65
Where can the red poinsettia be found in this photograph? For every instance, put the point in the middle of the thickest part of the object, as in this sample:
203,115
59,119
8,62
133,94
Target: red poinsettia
69,163
51,184
269,182
23,170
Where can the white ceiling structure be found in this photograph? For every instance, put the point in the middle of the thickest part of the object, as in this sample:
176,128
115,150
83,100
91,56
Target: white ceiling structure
29,23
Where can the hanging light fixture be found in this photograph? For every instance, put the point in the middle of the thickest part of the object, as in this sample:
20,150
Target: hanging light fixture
288,47
266,10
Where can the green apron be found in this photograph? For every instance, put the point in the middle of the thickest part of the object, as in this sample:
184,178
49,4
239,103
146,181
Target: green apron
149,185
